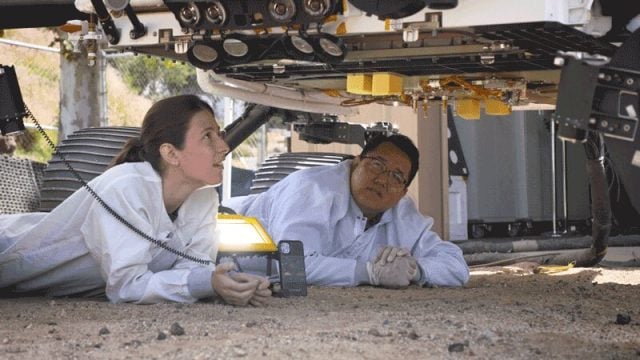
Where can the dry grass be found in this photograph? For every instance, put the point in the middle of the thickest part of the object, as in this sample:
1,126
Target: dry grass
39,73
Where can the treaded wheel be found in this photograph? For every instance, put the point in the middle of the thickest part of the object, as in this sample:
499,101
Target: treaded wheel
89,151
279,166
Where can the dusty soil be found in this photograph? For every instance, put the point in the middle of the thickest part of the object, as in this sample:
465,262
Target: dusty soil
503,313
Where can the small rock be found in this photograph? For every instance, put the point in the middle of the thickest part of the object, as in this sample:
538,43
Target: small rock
176,329
623,319
376,332
413,335
161,335
456,347
251,324
104,331
133,344
239,352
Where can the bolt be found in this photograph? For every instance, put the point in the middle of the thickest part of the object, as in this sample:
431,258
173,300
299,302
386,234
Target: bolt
280,9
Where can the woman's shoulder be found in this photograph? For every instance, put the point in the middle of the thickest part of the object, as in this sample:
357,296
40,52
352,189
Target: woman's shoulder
131,170
128,178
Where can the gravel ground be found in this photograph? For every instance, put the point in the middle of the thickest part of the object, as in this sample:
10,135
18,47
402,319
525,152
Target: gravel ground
502,313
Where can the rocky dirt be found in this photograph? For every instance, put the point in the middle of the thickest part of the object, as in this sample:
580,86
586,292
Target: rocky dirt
502,313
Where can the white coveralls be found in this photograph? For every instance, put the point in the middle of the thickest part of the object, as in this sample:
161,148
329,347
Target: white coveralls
315,206
79,247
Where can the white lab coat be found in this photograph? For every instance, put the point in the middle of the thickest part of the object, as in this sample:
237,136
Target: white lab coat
315,206
79,247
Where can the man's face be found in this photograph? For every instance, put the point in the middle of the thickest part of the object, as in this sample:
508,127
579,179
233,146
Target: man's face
376,179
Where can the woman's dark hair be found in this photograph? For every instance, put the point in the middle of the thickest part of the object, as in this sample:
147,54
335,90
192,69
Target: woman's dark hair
403,143
167,121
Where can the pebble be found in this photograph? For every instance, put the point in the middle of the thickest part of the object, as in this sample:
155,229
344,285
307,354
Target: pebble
251,323
623,319
133,343
239,352
456,347
176,329
104,331
376,332
161,335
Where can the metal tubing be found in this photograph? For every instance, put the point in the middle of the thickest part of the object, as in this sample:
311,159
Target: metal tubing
553,179
564,187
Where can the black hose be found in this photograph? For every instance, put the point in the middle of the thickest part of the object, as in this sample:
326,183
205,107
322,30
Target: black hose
546,244
239,130
109,28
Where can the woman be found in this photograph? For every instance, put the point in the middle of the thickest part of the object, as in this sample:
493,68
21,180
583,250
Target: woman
161,183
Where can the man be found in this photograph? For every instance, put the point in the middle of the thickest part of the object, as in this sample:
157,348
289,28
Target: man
356,224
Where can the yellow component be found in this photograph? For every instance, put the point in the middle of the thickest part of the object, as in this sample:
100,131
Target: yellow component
70,27
239,233
260,31
359,84
552,269
468,108
330,18
341,29
332,92
387,24
475,89
384,84
496,107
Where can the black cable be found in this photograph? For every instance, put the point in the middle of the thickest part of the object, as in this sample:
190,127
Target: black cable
105,205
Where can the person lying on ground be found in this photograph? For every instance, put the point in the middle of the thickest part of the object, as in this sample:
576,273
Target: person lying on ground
356,223
162,183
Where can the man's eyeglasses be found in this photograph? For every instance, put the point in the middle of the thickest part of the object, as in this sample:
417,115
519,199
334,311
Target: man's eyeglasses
376,167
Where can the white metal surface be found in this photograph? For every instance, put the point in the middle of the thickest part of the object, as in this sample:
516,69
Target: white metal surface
476,13
226,173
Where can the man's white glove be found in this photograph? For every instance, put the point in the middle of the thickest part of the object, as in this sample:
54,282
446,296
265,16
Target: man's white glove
389,253
397,274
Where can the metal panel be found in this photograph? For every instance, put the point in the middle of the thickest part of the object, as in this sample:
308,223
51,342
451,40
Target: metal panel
509,160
